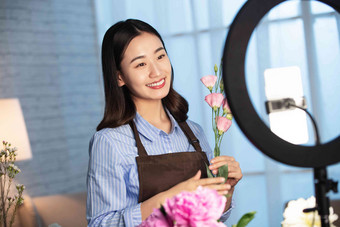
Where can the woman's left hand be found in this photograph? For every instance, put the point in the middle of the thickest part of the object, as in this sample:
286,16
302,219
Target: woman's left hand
234,170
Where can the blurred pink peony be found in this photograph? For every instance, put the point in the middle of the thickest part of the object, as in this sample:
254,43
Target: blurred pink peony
209,81
156,219
223,124
214,100
200,208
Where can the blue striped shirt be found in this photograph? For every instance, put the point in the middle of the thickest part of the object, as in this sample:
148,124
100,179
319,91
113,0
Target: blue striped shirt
112,178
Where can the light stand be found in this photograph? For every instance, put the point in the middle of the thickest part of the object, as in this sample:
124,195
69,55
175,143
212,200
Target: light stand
322,184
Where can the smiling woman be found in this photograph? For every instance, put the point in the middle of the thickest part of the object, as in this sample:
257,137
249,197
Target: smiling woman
145,149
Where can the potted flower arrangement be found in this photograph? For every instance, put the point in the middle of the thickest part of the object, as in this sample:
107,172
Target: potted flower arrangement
8,171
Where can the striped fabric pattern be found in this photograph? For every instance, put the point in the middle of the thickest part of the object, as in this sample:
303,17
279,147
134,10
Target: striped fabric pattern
112,179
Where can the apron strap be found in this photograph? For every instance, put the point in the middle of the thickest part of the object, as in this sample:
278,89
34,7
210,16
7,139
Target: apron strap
190,135
140,148
185,128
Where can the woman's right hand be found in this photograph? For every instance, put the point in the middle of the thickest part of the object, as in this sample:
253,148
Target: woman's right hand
191,184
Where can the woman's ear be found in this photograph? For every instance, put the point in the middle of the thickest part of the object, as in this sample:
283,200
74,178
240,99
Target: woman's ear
120,80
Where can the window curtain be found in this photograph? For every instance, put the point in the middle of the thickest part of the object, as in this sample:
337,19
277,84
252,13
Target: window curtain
294,34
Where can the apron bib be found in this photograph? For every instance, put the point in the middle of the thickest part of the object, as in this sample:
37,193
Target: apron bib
158,173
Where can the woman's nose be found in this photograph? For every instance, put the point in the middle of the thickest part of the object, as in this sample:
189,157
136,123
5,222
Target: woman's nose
155,70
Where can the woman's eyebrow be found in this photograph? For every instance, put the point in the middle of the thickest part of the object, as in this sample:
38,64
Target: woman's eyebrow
143,56
159,49
139,57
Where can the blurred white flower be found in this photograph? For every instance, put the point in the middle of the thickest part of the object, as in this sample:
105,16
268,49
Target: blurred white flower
295,217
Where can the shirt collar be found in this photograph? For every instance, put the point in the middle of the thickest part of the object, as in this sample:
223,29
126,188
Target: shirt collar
148,130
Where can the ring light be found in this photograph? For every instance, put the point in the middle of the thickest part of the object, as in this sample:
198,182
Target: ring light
238,97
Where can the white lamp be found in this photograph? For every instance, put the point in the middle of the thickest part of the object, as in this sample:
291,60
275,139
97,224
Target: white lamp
13,128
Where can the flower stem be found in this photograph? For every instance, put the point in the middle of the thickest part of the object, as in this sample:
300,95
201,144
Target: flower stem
3,208
9,204
3,203
17,204
219,145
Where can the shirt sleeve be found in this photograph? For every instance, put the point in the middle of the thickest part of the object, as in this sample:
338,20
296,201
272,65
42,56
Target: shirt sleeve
106,188
224,217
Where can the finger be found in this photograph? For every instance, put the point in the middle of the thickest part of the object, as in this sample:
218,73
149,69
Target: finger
217,165
232,166
222,158
234,169
209,181
220,187
222,192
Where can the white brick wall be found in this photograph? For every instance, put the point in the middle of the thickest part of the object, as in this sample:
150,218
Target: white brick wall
49,60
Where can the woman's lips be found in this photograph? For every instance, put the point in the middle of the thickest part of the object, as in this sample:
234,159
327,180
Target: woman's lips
157,85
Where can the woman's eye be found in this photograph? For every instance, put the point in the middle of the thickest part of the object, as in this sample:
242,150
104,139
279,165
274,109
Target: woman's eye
161,56
140,65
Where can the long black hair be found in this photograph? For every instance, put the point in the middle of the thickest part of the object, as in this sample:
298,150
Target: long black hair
119,107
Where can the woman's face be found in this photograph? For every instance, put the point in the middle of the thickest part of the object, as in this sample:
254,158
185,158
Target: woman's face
146,69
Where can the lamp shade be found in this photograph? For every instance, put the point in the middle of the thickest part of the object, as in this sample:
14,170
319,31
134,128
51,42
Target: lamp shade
13,128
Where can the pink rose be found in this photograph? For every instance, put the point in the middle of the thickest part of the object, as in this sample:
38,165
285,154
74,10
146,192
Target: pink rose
223,124
209,81
156,219
214,100
200,208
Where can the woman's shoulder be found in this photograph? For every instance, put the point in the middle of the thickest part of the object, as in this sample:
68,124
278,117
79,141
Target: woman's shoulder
120,140
195,127
119,133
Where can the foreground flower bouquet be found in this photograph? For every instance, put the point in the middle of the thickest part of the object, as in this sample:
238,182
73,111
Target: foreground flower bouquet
202,207
8,205
295,217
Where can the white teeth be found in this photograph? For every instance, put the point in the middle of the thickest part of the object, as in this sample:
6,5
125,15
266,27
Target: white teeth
156,84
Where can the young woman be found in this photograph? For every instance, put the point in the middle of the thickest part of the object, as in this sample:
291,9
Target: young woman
145,149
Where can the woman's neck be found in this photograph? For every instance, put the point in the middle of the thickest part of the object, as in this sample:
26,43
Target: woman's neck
154,113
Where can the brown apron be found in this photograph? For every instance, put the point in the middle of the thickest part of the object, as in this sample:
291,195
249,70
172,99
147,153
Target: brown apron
158,173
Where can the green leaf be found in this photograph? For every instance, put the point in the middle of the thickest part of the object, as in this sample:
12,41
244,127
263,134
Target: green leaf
163,210
209,173
223,172
233,226
245,219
